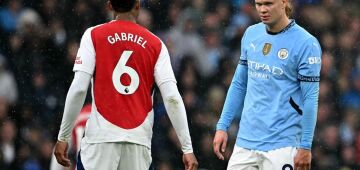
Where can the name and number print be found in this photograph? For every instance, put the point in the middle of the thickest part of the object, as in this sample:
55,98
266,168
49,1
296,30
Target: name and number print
121,69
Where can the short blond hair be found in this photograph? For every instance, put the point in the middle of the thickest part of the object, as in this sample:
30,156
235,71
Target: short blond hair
288,9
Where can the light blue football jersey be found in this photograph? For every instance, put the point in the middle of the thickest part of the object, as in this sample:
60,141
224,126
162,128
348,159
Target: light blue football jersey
278,82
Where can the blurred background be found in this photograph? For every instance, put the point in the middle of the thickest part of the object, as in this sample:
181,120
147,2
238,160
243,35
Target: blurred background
39,41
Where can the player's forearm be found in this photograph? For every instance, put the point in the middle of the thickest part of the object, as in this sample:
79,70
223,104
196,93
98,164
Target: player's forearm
310,91
176,110
234,101
74,101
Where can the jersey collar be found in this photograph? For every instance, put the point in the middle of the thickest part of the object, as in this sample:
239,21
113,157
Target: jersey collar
292,23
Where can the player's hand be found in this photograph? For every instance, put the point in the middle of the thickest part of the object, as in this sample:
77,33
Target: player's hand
220,141
190,161
61,153
302,159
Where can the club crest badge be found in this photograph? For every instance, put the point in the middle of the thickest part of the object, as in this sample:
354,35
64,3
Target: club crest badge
283,53
267,48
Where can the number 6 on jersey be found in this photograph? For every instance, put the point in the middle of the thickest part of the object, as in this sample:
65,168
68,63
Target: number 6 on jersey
119,70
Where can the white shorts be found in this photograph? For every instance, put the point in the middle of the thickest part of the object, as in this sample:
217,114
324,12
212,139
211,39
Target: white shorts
114,156
244,159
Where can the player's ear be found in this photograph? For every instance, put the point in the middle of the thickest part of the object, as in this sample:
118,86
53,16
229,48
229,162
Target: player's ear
108,4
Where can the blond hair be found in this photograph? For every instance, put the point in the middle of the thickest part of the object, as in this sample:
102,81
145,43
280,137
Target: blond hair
288,9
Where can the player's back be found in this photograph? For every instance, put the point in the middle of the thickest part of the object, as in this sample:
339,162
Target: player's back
123,79
126,55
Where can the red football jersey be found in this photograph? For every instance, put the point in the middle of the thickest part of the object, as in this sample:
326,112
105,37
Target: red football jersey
125,61
126,55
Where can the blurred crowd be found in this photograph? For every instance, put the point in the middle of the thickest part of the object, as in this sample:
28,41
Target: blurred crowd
39,41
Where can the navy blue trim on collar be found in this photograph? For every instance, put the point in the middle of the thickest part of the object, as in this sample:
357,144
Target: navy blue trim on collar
292,23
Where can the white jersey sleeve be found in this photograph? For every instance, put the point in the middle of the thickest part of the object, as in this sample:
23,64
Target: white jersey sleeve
74,101
85,58
165,79
163,70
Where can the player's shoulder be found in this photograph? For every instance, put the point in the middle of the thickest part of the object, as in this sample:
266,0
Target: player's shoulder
306,39
101,28
155,40
89,30
254,31
303,35
256,28
151,34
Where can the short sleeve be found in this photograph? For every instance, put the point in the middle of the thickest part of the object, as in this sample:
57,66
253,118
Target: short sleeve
163,70
310,62
85,58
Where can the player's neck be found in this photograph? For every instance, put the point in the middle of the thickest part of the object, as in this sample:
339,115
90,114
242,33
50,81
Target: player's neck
277,27
128,16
